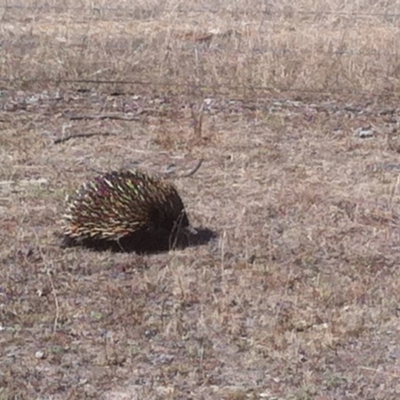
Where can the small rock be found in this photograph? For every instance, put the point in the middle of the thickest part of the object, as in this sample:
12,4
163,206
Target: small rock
40,355
364,132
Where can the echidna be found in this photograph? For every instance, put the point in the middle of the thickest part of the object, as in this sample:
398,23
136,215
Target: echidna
118,204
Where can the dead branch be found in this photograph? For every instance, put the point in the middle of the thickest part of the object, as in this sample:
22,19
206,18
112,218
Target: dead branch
103,117
81,135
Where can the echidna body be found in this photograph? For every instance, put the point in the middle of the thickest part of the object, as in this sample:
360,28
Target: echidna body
119,203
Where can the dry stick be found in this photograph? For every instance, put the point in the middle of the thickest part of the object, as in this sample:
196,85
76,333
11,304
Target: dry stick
79,135
53,289
103,116
187,174
380,372
198,120
193,170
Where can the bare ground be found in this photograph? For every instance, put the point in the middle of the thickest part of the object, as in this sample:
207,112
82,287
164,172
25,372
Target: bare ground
296,298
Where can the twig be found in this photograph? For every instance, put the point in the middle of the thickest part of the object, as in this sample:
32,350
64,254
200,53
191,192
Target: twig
53,289
193,170
102,116
80,135
197,117
379,372
187,174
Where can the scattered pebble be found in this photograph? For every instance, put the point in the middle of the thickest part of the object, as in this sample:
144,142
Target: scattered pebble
364,133
40,355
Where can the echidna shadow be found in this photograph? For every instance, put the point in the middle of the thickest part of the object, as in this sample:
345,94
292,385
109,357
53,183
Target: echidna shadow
129,211
147,241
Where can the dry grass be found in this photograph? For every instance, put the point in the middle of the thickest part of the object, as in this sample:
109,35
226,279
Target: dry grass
313,46
298,297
